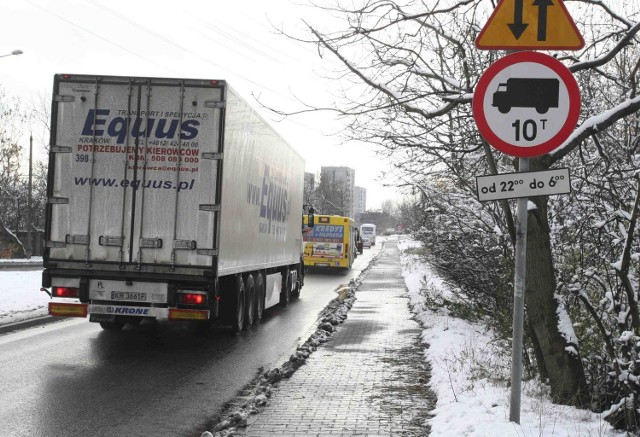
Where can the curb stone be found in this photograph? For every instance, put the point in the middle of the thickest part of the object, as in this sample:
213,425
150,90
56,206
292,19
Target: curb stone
28,323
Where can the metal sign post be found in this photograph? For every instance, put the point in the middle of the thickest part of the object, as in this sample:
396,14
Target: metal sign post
518,299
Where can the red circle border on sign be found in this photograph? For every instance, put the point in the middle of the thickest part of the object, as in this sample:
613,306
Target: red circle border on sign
511,149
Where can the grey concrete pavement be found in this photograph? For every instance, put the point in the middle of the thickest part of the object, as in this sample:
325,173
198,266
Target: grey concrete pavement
370,379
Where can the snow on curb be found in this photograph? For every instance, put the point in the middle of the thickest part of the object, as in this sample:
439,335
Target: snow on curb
256,395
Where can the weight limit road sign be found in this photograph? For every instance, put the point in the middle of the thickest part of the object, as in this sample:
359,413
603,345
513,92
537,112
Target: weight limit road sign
526,104
530,25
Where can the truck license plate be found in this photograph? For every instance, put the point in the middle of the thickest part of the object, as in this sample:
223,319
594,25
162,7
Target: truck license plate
121,291
128,295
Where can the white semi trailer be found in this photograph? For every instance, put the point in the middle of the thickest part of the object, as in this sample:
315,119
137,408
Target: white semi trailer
168,198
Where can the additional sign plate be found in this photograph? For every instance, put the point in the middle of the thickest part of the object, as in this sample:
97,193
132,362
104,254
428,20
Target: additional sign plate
530,25
526,104
525,184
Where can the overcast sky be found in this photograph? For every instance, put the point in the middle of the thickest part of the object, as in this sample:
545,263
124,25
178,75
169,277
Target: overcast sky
230,40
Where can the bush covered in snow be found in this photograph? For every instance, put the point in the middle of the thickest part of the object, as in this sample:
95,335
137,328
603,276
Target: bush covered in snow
466,250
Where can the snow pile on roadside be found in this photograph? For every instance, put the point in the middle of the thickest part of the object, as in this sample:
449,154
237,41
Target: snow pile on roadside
20,296
470,376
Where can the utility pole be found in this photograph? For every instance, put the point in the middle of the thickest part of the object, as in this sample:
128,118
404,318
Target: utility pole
29,239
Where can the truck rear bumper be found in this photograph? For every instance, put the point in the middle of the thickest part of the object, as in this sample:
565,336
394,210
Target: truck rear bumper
326,262
59,309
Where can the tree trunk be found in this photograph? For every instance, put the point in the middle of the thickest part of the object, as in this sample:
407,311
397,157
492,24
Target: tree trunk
564,370
542,371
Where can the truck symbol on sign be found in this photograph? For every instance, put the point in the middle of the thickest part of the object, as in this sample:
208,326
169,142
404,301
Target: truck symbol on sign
540,94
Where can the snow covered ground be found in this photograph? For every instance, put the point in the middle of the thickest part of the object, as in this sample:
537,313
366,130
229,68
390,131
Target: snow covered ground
20,295
468,376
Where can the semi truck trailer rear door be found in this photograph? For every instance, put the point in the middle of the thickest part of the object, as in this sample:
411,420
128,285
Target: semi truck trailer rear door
134,170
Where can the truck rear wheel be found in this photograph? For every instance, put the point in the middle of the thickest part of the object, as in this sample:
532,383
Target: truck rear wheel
295,293
115,325
249,301
286,288
260,295
237,306
133,321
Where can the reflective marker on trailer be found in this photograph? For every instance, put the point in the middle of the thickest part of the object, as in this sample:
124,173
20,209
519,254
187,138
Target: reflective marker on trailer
180,314
67,309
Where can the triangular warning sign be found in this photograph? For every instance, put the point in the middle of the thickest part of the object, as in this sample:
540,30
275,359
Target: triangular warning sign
530,25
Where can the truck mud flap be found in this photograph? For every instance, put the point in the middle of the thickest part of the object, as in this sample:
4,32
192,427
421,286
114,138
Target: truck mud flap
102,318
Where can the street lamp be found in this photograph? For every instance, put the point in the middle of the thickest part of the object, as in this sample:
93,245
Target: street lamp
13,53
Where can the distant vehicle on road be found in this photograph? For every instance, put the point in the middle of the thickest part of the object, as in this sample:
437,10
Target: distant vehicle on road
359,242
331,243
540,94
368,232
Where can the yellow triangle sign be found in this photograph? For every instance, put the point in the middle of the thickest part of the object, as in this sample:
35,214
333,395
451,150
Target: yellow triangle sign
530,25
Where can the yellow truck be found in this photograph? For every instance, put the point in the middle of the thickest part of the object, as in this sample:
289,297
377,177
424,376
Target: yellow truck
330,243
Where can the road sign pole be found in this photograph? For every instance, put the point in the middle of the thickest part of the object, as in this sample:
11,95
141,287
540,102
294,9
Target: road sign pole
518,300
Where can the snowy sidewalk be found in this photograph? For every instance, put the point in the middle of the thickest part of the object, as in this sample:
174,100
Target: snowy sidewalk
369,379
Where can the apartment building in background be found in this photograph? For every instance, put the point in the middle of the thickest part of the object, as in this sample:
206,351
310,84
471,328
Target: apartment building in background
359,202
336,192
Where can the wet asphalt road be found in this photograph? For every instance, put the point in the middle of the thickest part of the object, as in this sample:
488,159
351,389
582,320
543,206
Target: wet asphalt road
71,378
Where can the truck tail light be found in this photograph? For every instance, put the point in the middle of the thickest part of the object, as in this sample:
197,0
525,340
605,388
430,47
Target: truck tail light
66,292
192,298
